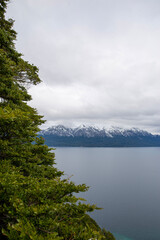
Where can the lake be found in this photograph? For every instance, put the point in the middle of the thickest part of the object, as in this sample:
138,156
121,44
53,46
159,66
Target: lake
125,182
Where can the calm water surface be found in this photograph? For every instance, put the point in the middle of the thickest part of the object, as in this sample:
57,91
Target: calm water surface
123,181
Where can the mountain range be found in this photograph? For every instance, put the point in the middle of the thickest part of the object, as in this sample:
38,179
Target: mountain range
90,136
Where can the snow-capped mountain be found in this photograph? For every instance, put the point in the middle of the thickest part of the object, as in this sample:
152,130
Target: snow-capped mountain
90,136
90,131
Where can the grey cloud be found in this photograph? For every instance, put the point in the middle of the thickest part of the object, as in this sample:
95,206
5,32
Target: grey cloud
99,59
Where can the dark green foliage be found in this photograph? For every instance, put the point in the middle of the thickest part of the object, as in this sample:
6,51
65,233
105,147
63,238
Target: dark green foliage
108,235
35,203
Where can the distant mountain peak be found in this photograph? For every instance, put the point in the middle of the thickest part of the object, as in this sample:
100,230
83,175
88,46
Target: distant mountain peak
92,131
91,136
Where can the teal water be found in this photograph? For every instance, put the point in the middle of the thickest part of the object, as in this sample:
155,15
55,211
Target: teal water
120,237
125,182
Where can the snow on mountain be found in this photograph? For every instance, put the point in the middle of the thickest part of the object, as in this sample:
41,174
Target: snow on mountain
58,130
91,131
116,131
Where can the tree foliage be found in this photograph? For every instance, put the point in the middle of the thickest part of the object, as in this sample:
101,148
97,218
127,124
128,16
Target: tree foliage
35,202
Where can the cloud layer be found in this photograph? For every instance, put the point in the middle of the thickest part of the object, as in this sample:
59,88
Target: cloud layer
99,60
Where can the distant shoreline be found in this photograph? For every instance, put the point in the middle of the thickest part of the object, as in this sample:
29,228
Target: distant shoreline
120,142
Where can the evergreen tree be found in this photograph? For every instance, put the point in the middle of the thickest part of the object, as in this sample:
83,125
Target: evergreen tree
35,202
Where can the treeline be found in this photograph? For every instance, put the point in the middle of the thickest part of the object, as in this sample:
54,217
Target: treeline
35,203
116,141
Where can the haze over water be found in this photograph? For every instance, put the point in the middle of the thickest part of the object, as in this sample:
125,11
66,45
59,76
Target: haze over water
125,182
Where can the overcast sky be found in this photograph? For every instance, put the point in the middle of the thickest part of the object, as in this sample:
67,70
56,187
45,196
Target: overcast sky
99,60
